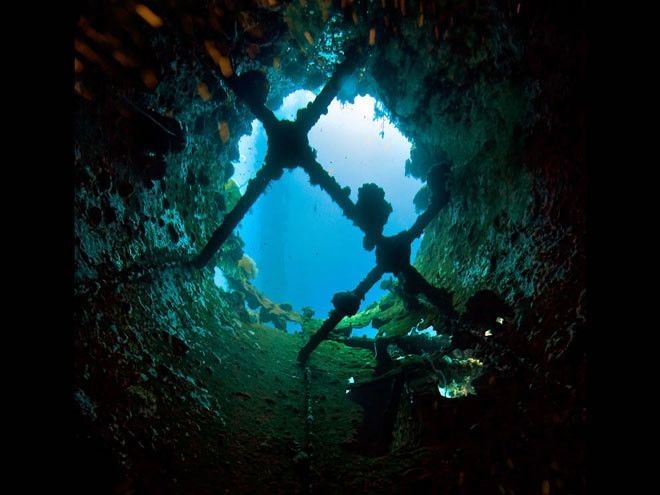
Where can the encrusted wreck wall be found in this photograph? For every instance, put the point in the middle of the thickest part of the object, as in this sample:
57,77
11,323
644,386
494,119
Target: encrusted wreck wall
177,392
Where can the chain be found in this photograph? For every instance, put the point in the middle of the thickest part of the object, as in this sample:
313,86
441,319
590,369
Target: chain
309,420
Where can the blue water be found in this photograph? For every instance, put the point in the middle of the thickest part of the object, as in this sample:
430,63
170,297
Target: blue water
220,280
368,332
304,248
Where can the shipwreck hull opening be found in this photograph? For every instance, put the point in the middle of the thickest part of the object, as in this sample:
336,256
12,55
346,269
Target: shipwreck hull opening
194,375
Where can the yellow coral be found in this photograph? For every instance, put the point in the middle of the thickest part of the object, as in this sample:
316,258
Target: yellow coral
248,266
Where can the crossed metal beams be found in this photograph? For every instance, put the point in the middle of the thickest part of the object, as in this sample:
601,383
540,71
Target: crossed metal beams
288,147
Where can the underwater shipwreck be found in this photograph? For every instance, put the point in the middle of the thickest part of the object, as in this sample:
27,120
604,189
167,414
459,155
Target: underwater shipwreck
330,246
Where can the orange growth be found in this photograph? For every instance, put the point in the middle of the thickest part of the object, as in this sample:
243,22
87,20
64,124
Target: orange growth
149,78
148,15
223,129
203,91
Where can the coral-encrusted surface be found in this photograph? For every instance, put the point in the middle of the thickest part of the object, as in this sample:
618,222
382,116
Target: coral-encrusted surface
190,400
178,390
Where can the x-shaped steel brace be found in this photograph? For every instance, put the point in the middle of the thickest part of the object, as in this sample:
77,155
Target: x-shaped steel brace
288,147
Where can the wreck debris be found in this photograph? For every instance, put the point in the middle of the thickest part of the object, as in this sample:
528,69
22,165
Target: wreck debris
288,147
346,304
269,311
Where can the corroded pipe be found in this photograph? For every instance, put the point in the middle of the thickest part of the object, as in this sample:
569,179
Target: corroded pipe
319,176
255,188
310,115
415,283
422,221
259,110
337,314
